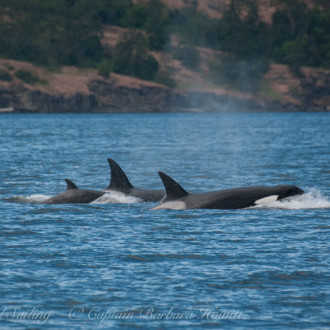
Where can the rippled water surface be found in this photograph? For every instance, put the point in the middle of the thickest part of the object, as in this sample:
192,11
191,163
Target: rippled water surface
116,264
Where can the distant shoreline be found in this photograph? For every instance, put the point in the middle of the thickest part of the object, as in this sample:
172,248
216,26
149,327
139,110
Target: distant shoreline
73,90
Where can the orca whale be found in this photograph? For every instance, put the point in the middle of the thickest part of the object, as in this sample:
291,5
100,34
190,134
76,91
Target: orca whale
74,195
177,198
120,183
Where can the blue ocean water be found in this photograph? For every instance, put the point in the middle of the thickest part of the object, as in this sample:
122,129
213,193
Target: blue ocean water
116,264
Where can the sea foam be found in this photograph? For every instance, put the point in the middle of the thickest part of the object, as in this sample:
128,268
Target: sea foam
312,199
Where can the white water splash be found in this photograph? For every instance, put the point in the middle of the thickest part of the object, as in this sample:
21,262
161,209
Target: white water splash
113,198
33,199
313,199
108,198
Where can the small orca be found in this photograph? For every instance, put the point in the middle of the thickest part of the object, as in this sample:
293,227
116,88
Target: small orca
120,183
74,195
179,199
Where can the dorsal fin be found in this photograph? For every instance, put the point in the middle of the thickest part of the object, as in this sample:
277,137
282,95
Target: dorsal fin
118,179
70,185
173,189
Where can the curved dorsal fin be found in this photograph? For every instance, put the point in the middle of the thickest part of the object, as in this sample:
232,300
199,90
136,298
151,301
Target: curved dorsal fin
118,179
173,189
70,185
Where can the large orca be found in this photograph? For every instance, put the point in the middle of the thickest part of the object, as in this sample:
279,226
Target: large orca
179,199
120,183
74,195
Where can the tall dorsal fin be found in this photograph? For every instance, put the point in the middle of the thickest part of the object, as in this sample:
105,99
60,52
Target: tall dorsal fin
118,179
173,189
70,185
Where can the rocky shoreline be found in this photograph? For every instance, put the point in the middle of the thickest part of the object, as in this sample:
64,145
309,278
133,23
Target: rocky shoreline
73,91
108,99
145,100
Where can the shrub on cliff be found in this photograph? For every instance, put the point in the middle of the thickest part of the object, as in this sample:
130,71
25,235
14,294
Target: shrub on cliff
4,75
104,68
28,77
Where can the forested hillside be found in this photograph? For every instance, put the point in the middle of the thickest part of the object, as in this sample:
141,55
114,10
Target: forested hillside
69,32
233,49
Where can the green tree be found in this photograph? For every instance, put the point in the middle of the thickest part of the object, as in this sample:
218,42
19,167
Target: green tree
301,37
248,37
191,25
131,57
113,12
51,32
135,16
157,24
104,68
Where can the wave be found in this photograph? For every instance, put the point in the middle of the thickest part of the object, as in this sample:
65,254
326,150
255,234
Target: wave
313,199
32,199
114,198
108,198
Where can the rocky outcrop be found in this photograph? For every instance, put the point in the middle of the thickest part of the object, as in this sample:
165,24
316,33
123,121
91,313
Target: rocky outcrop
315,85
113,97
34,100
308,90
